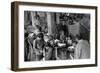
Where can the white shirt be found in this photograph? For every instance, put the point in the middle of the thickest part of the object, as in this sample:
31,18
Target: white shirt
82,50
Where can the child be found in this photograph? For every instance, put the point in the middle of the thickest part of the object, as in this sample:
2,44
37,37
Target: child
48,51
69,40
60,54
71,50
52,46
62,37
38,46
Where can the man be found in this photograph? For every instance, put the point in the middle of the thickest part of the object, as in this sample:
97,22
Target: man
82,50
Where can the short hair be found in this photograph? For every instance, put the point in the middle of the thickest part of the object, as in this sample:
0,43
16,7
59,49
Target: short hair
40,35
78,36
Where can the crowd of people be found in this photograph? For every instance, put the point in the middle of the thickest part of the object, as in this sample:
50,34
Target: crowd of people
47,47
40,46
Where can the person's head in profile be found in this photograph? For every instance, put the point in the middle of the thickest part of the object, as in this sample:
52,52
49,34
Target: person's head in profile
77,38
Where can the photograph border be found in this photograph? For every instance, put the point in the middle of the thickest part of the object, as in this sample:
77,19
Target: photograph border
15,34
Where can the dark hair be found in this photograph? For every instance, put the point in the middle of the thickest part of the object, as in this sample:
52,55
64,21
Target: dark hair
37,16
40,35
75,42
47,44
38,27
70,36
84,36
78,36
26,34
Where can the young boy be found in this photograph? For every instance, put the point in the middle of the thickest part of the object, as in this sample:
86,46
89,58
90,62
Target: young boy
38,46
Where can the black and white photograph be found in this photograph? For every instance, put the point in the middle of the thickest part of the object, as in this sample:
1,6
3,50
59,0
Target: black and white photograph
56,36
53,36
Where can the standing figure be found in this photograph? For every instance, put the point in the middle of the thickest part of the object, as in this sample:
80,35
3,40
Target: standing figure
38,46
82,50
